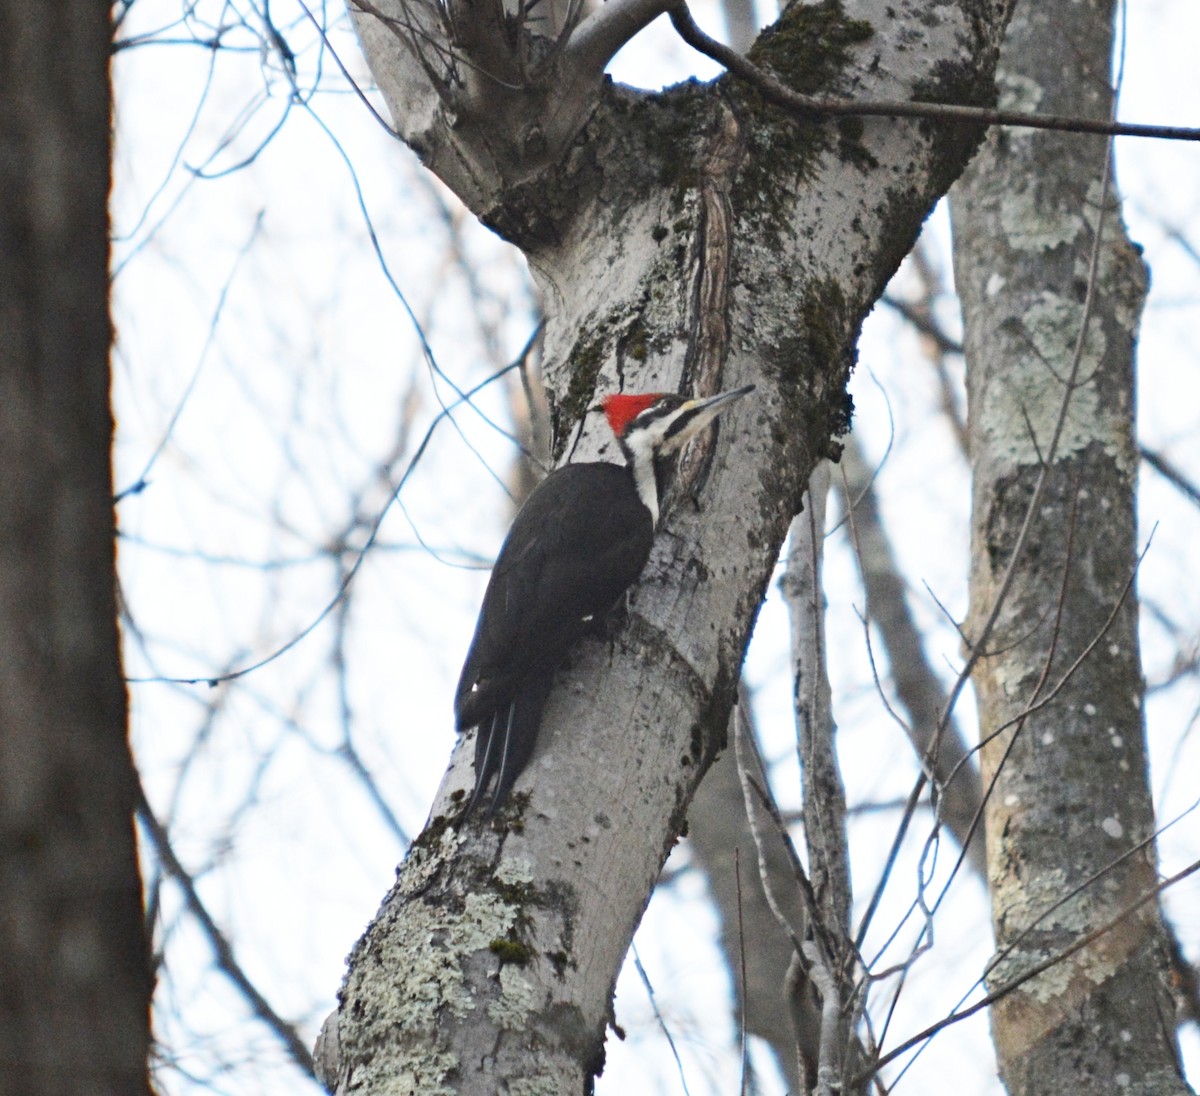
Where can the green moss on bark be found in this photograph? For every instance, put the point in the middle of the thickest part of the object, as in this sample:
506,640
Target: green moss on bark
807,49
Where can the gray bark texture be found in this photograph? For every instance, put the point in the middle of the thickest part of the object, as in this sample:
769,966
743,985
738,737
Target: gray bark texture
1070,822
693,239
828,961
824,794
74,973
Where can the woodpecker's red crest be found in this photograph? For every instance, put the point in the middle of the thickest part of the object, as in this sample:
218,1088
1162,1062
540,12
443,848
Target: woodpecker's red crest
622,408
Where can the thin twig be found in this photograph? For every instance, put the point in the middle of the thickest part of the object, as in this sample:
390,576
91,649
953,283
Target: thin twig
222,950
351,572
1170,473
745,986
1038,968
662,1023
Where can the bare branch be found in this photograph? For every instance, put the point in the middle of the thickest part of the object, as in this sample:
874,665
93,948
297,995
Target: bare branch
1033,971
612,24
824,794
347,577
938,742
222,949
1171,474
810,106
828,1081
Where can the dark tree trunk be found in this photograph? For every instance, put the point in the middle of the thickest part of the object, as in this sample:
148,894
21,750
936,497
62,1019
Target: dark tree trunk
74,978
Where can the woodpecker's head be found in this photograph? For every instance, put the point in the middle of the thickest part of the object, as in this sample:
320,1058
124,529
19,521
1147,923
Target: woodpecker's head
653,424
658,422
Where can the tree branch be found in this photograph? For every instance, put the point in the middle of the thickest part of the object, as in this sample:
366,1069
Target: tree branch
938,741
1032,972
1170,473
808,106
607,29
222,949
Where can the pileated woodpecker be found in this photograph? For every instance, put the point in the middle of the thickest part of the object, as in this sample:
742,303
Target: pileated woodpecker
581,539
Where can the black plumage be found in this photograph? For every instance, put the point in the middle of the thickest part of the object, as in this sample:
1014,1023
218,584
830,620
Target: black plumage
578,543
581,539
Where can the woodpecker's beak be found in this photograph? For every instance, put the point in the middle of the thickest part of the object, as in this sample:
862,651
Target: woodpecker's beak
694,415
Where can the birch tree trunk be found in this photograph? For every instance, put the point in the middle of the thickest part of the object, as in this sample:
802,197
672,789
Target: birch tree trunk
688,240
1051,314
74,970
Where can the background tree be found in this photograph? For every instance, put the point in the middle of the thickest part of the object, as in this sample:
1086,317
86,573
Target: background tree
74,973
1051,321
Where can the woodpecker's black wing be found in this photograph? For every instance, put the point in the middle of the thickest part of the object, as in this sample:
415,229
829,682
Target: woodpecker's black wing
577,544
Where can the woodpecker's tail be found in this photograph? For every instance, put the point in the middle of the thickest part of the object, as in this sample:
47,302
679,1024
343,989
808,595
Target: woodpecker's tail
505,742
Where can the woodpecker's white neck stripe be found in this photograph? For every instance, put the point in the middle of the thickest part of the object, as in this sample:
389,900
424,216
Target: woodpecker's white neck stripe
645,479
640,447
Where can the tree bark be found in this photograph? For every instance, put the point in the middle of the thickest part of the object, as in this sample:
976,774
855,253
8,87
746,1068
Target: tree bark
1049,343
693,239
74,973
828,970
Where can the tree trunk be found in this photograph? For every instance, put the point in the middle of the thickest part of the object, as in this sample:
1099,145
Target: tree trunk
826,970
1070,823
688,240
74,977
